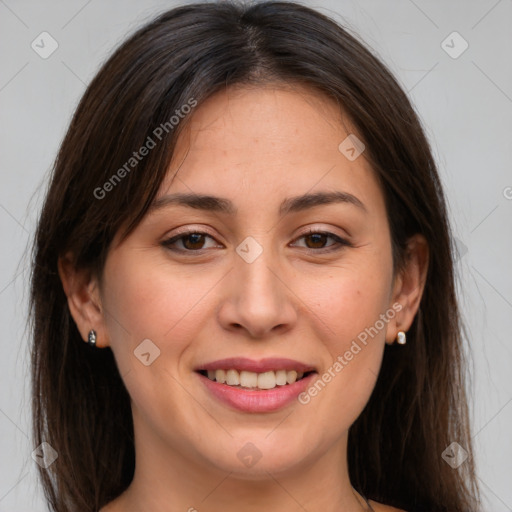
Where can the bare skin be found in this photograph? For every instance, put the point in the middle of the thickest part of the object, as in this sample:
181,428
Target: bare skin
301,298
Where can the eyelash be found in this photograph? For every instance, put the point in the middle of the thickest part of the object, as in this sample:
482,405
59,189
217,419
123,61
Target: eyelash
341,242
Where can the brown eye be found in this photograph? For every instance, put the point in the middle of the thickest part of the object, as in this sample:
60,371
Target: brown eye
192,241
316,241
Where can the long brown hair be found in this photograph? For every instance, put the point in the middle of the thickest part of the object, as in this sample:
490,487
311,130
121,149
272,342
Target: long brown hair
80,404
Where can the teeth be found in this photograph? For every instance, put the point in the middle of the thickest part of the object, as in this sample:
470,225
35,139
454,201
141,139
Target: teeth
232,378
281,377
267,380
245,379
291,376
248,379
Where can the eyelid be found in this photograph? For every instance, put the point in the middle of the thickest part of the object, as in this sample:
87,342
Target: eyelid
340,241
188,230
201,230
325,230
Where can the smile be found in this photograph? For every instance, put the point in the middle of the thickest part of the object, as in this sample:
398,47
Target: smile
256,386
253,380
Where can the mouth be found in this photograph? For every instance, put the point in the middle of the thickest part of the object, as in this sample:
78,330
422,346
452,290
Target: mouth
256,386
244,379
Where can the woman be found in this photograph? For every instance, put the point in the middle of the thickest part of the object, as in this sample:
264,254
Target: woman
242,290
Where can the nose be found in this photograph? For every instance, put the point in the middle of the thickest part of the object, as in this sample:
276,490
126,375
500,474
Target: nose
258,298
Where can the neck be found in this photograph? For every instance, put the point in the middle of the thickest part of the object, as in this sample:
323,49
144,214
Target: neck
167,479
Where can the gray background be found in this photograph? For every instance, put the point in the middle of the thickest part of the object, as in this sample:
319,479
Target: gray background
464,102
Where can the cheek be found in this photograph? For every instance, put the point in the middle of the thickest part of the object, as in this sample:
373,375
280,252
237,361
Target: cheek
144,299
149,299
352,299
352,303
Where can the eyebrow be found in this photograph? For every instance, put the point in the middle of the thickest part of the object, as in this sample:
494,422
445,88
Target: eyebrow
289,205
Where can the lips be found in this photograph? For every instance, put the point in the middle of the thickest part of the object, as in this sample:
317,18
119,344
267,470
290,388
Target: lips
256,386
248,373
251,365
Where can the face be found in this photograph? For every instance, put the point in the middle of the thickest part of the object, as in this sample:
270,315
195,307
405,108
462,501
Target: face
273,284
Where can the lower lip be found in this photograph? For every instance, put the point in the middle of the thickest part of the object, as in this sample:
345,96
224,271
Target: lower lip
257,401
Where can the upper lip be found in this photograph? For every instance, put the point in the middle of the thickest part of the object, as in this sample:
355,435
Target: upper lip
257,366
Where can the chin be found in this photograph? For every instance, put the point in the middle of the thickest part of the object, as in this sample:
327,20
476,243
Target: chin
254,460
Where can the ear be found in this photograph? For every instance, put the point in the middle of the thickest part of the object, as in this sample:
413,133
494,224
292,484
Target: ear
82,290
408,286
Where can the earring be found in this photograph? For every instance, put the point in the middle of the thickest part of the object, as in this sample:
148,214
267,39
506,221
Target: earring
92,338
400,338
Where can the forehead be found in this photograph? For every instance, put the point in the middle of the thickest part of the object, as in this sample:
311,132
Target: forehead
268,121
268,142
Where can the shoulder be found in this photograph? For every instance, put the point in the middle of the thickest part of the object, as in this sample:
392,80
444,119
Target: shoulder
379,507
